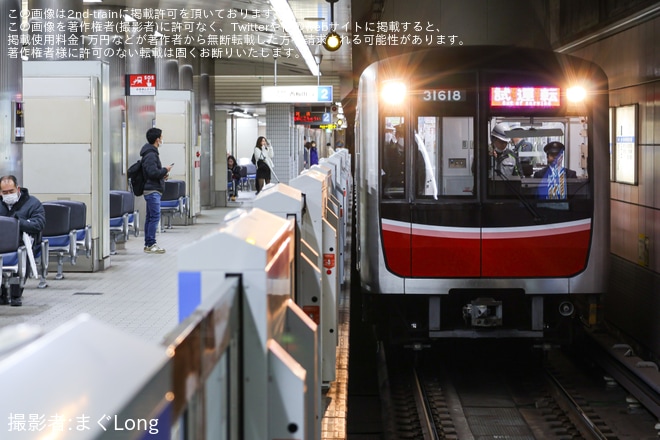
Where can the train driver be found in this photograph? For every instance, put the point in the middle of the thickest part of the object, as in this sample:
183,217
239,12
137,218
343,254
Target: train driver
505,159
554,174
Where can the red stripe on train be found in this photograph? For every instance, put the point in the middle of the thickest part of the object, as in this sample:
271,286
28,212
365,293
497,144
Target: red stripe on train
559,250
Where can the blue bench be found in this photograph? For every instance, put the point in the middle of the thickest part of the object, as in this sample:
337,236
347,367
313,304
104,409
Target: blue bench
13,257
123,218
250,176
173,202
78,221
59,234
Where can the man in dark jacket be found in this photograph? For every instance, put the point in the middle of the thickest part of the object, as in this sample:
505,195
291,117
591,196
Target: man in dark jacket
554,174
155,175
28,210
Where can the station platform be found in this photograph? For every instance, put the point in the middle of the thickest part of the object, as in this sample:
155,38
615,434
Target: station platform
138,294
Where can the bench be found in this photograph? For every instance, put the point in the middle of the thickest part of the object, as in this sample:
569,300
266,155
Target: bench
123,218
251,175
173,202
13,257
78,221
61,237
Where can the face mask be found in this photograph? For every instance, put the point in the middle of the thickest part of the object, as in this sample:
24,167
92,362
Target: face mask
10,199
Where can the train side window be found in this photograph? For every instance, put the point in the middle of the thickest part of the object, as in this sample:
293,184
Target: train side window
393,158
445,149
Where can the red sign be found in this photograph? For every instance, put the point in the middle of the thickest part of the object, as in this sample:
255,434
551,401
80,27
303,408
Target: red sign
524,97
314,312
143,84
328,261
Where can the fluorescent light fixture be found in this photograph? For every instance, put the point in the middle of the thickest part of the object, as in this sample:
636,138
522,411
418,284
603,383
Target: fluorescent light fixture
92,1
242,113
290,25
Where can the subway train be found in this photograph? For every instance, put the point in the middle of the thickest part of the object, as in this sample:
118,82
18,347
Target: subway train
453,242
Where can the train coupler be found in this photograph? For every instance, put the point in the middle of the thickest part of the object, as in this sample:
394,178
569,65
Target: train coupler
483,312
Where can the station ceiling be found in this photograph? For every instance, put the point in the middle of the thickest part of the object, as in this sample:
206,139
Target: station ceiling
255,18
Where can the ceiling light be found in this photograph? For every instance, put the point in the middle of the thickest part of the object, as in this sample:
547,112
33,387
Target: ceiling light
290,25
332,41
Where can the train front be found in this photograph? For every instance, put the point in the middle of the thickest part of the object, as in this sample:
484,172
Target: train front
484,191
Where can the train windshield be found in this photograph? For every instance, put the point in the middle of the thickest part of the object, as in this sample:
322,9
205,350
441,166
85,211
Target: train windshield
530,158
543,159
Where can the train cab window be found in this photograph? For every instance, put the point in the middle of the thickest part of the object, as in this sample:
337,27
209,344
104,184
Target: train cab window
538,159
444,157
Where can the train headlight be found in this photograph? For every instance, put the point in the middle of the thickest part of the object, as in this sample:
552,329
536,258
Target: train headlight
576,94
393,92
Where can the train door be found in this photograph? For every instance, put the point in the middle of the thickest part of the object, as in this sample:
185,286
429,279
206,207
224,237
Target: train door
395,206
445,213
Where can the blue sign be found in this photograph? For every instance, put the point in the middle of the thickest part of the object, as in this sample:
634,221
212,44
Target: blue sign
296,94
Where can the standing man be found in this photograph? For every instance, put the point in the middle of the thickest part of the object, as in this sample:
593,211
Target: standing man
155,175
313,154
394,163
28,210
554,174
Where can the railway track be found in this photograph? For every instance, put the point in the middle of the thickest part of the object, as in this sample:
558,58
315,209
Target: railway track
493,391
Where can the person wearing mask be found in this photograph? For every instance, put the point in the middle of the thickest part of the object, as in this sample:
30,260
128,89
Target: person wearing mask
554,174
28,210
263,154
235,169
505,162
313,154
155,174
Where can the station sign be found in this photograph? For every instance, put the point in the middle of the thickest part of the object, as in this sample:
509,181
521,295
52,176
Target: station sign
142,84
294,94
310,117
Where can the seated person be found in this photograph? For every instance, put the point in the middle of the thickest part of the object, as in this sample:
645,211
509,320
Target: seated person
554,174
28,210
235,169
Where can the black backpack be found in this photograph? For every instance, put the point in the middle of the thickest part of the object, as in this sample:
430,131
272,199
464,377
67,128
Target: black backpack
254,159
136,178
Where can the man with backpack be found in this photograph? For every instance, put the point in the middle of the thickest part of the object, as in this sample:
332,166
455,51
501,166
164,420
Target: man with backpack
154,185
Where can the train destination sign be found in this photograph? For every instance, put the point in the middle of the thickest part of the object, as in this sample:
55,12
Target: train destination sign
524,97
296,94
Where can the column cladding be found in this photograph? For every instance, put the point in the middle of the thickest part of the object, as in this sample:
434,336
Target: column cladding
279,131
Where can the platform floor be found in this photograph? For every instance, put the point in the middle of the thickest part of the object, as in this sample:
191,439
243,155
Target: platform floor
138,293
